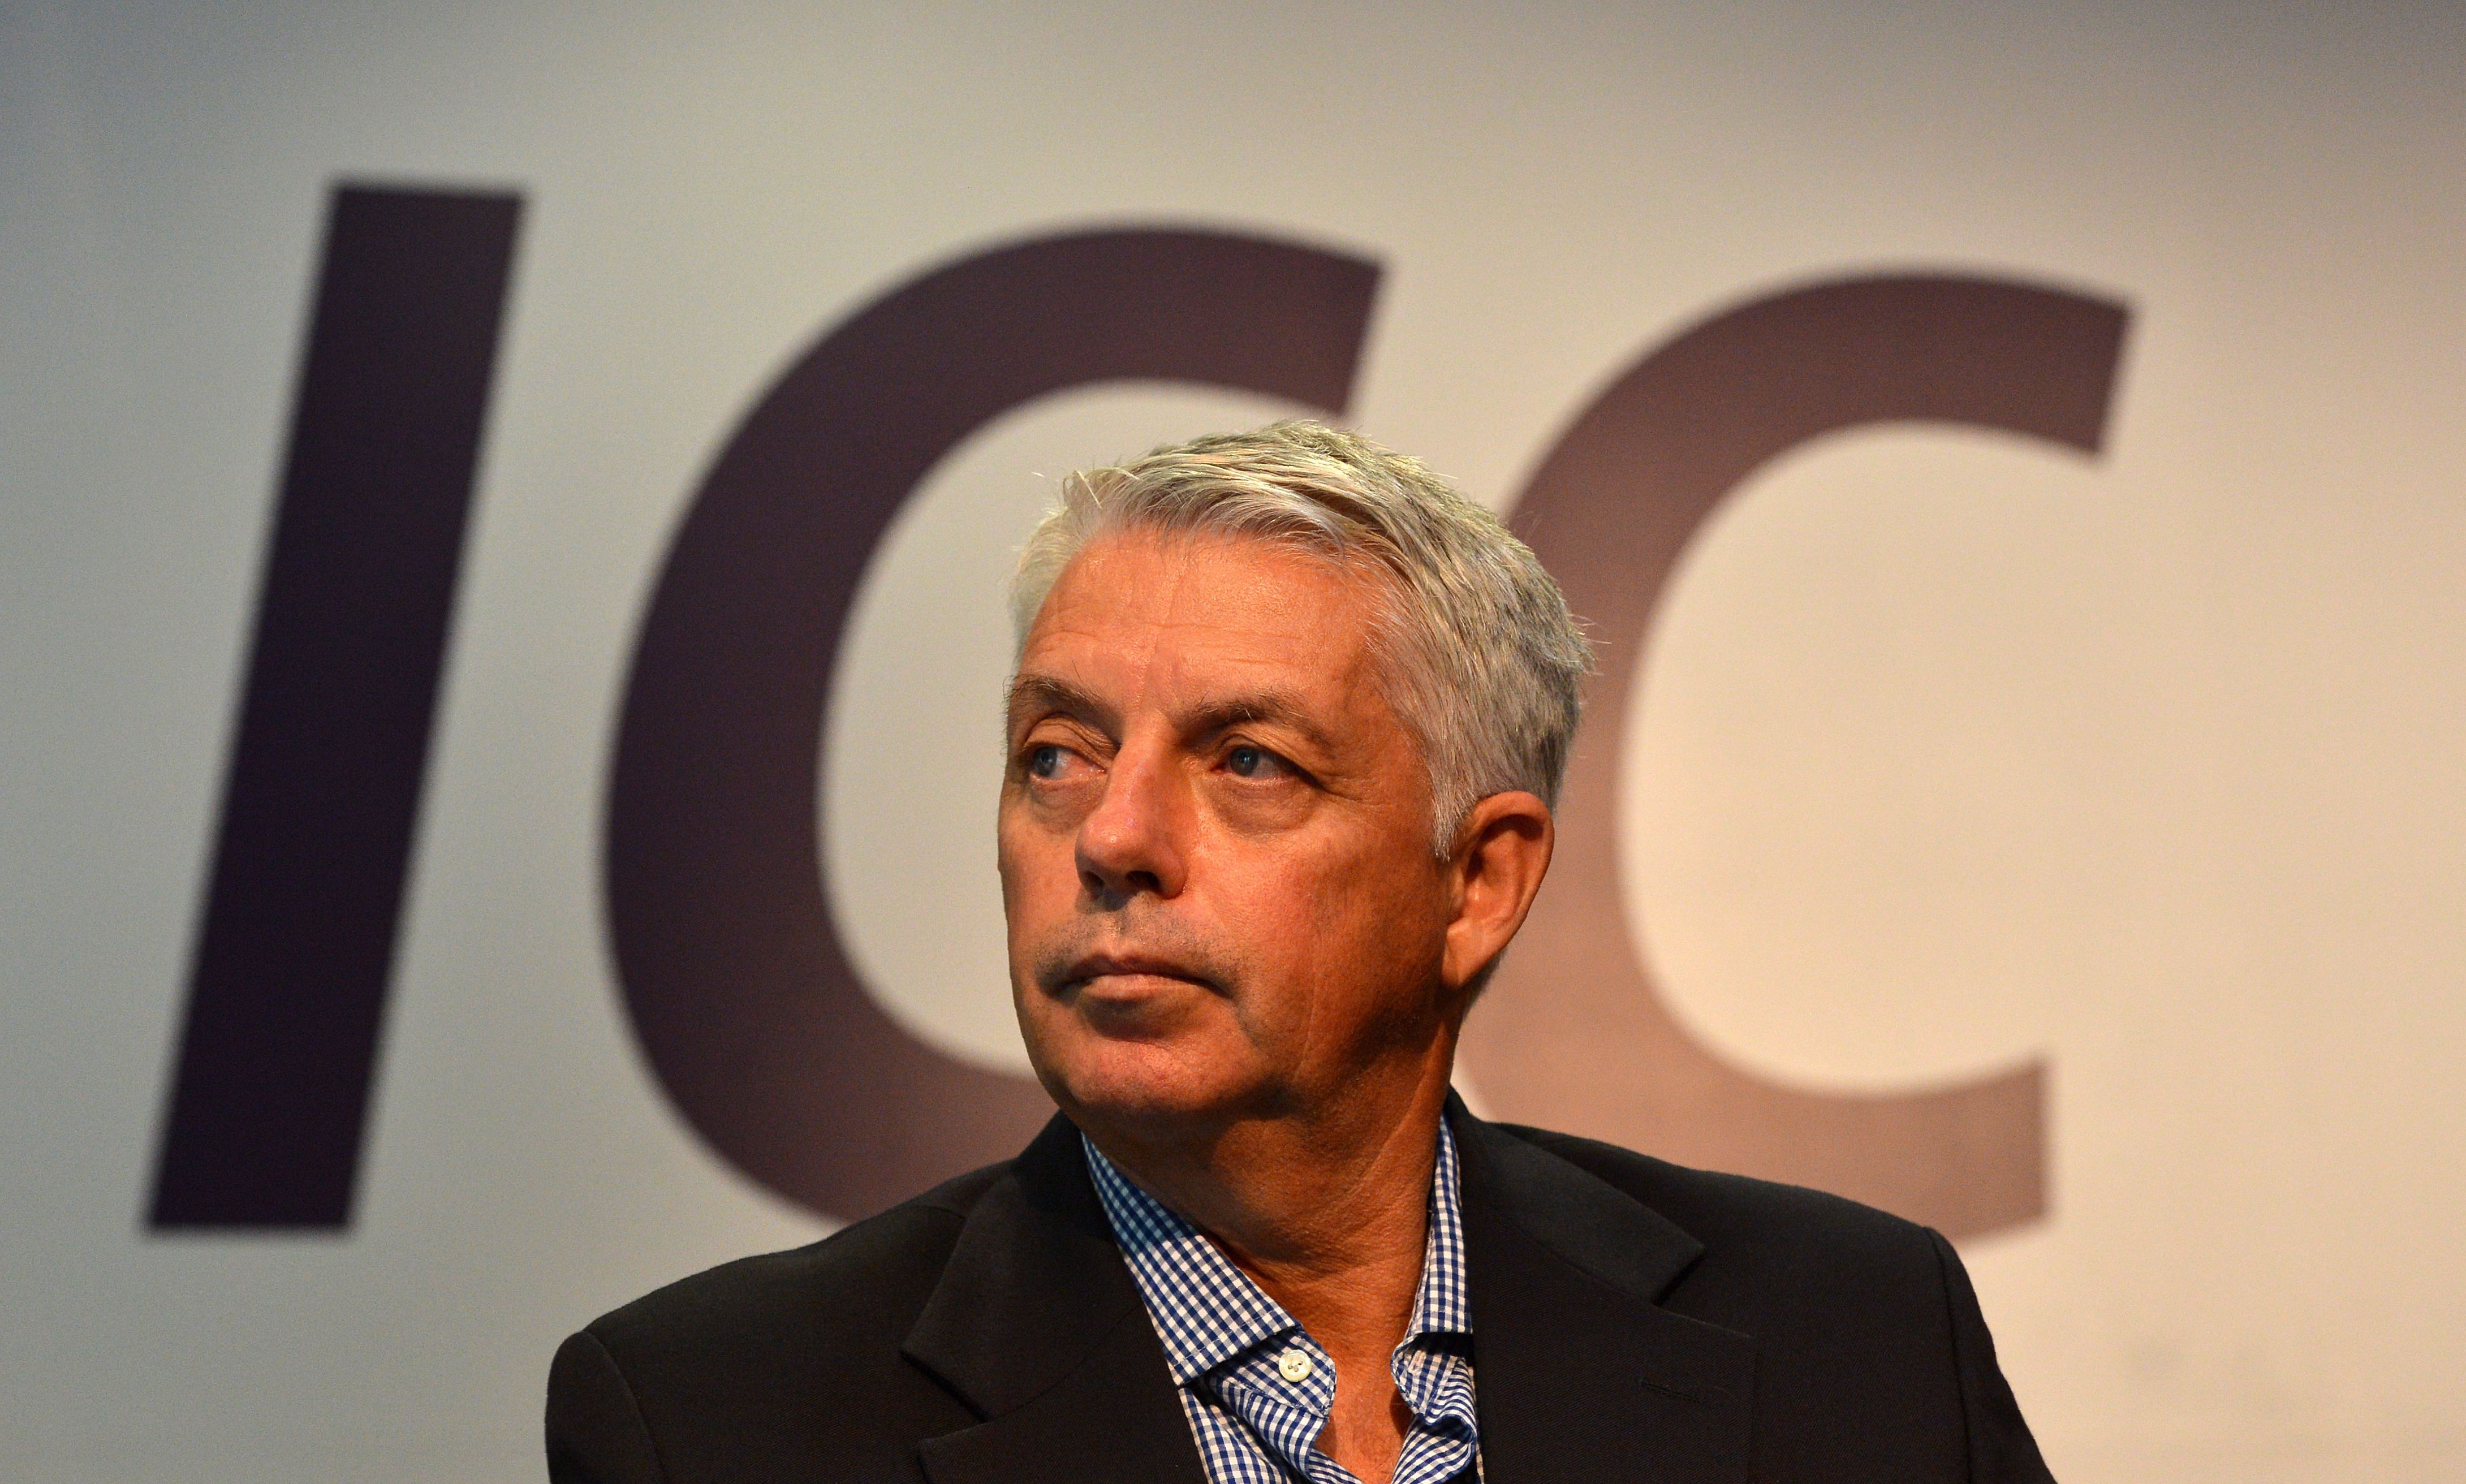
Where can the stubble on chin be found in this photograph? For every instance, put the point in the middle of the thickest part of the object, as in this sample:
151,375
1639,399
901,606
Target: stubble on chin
1164,1067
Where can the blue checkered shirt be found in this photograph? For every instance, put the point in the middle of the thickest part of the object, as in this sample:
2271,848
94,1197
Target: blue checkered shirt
1256,1388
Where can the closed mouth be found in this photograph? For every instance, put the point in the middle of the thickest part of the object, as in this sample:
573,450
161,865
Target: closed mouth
1127,974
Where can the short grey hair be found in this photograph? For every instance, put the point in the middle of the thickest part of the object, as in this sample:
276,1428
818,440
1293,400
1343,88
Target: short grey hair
1476,651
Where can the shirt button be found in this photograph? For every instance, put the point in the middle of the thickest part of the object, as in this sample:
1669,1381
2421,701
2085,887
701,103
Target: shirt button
1293,1365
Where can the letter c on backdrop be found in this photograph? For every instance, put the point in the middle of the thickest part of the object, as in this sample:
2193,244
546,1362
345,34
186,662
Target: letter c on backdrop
1573,1032
741,994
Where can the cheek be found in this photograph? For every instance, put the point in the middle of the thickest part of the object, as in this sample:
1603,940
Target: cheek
1030,861
1378,926
1360,934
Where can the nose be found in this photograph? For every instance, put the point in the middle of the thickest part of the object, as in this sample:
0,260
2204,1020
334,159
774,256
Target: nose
1135,840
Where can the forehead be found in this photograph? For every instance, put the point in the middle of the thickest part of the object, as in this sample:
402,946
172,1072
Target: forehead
1178,610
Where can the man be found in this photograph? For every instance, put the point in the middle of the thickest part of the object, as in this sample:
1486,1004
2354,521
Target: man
1286,721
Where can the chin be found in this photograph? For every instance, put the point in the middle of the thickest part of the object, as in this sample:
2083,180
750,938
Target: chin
1138,1085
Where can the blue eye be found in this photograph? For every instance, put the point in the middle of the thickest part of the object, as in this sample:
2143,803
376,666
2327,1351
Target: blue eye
1045,761
1247,762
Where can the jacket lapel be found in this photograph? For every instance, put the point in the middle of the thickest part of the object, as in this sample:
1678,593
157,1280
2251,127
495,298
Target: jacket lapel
1037,1326
1578,1373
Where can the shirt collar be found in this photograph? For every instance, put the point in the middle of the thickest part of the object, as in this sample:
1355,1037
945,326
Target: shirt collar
1442,1306
1207,1311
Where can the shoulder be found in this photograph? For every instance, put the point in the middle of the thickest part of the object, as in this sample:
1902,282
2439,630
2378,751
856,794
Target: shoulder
1746,1221
748,1370
1869,1339
867,1278
1818,1280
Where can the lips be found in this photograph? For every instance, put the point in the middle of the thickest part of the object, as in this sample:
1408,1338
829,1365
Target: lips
1124,967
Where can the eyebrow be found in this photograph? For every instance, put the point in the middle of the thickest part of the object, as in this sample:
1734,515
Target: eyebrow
1044,693
1272,707
1277,708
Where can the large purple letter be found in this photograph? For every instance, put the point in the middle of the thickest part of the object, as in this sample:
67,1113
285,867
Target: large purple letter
744,1000
287,993
1573,1033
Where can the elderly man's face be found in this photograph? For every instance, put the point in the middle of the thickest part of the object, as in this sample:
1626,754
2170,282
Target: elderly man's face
1214,838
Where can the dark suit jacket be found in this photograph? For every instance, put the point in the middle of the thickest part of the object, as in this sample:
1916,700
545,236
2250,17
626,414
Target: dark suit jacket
1631,1321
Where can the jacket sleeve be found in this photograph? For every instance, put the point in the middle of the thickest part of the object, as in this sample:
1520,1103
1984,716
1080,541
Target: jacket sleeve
595,1431
2001,1450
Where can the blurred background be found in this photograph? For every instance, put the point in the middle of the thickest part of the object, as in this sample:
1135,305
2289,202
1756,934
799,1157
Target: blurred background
1947,752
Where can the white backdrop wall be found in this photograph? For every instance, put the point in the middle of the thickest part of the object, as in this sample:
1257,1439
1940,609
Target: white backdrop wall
1952,752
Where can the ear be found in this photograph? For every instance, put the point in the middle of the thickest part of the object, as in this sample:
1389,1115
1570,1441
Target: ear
1501,855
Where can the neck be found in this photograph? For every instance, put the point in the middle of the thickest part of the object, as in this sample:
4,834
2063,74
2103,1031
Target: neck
1327,1208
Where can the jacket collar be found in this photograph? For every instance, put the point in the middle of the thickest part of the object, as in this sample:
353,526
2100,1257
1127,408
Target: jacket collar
1578,1373
1036,1325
